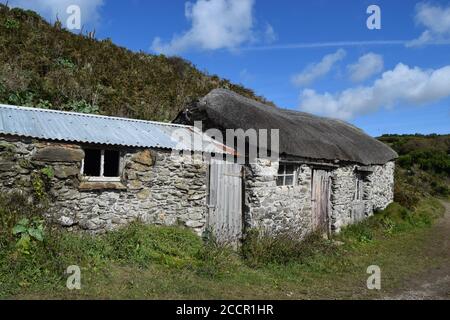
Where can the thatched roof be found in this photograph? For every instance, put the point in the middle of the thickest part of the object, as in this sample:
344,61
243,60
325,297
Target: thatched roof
301,134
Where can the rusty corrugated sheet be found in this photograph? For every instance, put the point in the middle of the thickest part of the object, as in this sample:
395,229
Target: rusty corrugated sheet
86,128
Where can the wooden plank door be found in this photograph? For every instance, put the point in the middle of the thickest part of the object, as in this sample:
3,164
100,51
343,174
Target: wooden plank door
225,218
320,197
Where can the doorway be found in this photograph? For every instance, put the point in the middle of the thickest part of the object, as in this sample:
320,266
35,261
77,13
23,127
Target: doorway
320,198
225,217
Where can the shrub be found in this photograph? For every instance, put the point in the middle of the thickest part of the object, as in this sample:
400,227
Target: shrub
28,231
260,248
142,245
14,207
396,218
11,24
65,63
360,233
215,260
423,166
406,194
24,98
82,107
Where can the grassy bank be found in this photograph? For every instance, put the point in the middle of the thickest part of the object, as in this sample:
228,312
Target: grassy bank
42,65
171,262
423,166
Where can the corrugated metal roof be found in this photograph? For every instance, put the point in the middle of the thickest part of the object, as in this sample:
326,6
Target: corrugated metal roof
86,128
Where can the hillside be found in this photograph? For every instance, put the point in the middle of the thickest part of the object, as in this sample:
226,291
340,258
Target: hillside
423,166
45,66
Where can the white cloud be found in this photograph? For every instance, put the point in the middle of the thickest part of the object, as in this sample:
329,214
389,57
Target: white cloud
51,9
367,66
216,24
436,20
246,76
316,70
270,35
403,84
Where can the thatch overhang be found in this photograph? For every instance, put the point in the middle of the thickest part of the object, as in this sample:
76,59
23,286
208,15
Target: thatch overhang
301,134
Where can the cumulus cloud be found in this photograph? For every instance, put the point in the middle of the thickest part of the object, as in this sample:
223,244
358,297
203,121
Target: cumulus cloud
216,24
367,66
436,20
51,9
403,84
270,35
317,70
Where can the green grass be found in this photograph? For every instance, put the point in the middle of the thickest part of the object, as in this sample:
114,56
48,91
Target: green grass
172,262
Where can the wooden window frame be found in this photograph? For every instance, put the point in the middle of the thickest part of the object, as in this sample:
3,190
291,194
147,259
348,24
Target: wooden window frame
284,174
359,186
102,178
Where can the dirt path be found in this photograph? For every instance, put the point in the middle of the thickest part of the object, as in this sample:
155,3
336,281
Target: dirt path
435,282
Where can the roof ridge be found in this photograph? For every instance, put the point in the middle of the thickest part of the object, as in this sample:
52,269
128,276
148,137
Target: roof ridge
88,115
283,110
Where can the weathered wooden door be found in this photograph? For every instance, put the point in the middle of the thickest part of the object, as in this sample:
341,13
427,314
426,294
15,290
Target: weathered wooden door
320,197
225,202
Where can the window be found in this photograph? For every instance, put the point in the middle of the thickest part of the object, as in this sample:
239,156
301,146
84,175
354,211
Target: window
101,165
286,175
359,188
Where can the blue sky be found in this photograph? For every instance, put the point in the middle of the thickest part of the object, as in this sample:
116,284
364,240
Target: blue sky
316,56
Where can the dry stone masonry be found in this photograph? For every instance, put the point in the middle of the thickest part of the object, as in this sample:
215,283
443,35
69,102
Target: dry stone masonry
277,209
377,189
158,187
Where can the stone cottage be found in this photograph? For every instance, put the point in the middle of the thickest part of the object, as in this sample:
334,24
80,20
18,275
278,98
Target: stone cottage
328,174
104,172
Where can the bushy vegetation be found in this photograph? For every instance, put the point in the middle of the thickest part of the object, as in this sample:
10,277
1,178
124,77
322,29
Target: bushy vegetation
34,256
423,166
44,66
261,248
394,219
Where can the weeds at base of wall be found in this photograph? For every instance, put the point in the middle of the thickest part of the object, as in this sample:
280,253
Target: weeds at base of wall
394,219
260,248
40,180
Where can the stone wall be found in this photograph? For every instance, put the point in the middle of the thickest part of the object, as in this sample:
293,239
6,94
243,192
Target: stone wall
343,189
381,186
277,209
156,187
288,208
159,188
378,188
